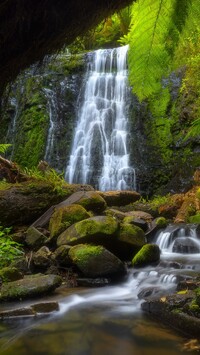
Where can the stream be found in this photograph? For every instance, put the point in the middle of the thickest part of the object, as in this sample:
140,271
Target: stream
109,320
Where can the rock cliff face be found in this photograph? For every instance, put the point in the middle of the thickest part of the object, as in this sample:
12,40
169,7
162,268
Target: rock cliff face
40,122
40,117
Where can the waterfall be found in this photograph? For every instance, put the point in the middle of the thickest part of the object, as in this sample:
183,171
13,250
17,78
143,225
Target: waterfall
52,108
100,155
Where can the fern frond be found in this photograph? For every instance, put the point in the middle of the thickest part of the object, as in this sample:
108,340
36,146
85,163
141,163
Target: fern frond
156,25
4,147
194,130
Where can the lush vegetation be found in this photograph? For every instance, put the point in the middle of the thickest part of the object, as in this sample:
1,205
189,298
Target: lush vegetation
9,249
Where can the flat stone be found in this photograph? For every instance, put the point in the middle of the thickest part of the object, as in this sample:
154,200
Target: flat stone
119,198
30,286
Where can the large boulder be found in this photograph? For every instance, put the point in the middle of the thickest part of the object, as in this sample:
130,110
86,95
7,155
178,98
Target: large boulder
10,274
96,261
92,230
91,201
64,217
42,258
179,311
23,203
130,239
120,198
34,238
31,286
185,245
148,254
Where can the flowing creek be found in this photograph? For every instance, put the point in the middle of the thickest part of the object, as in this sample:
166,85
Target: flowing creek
108,320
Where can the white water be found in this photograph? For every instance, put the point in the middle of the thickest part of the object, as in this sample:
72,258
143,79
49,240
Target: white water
12,128
161,279
100,153
108,320
52,108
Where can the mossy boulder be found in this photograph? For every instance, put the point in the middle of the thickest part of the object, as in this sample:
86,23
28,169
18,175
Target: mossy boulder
92,201
96,261
148,254
42,258
34,238
92,230
129,241
120,198
29,287
10,274
65,216
161,222
25,202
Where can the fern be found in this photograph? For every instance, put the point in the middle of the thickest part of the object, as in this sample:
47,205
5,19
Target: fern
154,34
194,130
4,147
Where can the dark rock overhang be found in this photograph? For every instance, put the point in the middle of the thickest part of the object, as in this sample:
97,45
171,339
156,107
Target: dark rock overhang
31,29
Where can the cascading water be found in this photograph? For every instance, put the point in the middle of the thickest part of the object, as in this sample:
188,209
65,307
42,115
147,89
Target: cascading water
52,106
12,128
100,153
108,320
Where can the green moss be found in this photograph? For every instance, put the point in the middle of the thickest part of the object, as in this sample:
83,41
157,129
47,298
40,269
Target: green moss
194,307
93,202
149,253
197,291
131,234
4,185
64,217
161,222
91,226
80,253
10,274
198,194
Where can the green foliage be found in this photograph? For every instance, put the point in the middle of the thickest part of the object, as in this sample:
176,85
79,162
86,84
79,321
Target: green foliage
4,148
154,34
51,177
9,249
194,219
105,34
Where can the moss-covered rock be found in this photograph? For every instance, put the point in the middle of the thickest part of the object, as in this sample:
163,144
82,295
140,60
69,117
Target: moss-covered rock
25,202
91,230
10,274
65,216
92,201
120,198
34,238
96,261
148,254
161,222
132,235
29,287
42,258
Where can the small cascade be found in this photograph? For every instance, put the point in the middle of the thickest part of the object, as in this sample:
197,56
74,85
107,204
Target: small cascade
175,265
100,154
183,239
12,128
52,108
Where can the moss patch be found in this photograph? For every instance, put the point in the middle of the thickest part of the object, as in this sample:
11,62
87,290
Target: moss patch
80,253
149,253
64,217
131,234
